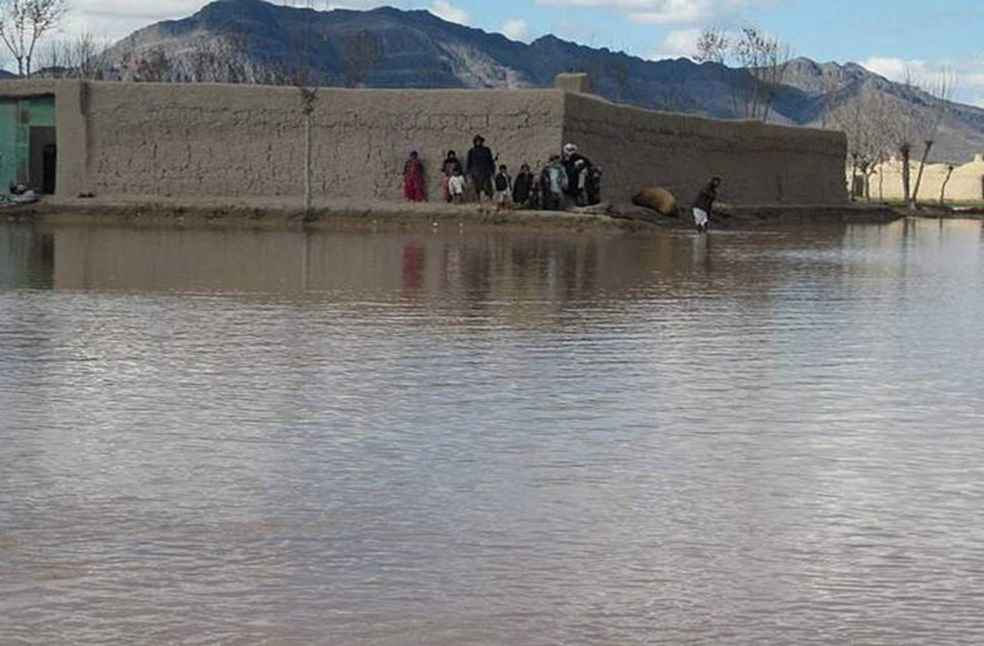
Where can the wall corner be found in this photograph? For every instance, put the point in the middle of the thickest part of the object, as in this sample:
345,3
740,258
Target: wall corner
71,105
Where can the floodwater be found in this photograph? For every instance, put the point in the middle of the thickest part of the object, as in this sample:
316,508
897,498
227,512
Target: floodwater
455,437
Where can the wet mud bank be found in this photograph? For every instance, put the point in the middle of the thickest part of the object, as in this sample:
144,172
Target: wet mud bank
370,216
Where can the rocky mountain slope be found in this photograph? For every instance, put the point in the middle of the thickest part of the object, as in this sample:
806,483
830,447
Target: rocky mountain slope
392,48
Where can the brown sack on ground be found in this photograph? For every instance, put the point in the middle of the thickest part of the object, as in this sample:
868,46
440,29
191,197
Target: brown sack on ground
657,199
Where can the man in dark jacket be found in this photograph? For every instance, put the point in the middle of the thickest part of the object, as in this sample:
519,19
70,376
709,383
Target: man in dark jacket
480,167
523,186
704,205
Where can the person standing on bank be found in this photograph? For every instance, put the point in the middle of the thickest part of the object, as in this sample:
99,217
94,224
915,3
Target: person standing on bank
553,182
503,188
413,179
480,168
456,186
523,186
704,205
450,167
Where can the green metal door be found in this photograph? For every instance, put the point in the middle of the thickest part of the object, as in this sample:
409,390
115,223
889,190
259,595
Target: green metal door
8,140
18,117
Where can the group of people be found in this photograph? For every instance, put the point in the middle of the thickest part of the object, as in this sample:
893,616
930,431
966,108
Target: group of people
568,179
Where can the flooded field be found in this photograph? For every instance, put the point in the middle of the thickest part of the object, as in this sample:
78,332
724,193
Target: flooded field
454,437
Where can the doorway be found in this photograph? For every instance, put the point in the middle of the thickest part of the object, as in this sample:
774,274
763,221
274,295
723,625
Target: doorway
43,153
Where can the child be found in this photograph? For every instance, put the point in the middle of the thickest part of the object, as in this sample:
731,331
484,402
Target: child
451,164
503,188
456,186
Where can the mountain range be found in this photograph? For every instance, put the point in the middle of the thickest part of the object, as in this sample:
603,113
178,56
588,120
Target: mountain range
392,48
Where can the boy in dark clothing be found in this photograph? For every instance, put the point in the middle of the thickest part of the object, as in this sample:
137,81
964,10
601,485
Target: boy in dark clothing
480,167
503,188
523,185
704,205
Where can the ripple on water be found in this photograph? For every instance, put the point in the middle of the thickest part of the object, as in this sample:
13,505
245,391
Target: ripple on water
233,437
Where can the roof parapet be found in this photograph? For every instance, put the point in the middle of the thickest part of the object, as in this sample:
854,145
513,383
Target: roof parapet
579,82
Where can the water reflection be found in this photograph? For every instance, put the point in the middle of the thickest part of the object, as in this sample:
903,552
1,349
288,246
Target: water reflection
26,257
492,437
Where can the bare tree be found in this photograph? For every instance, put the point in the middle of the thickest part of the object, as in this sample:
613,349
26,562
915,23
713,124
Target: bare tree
940,91
618,67
153,66
761,59
946,180
766,59
78,57
361,52
24,23
714,46
868,144
86,50
904,127
915,119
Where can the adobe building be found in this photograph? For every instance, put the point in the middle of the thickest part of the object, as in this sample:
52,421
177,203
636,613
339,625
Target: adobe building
27,142
236,142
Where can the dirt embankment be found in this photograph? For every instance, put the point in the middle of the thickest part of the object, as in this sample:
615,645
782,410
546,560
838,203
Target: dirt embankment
278,214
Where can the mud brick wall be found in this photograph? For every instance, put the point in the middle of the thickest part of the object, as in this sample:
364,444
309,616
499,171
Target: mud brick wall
232,141
215,140
760,164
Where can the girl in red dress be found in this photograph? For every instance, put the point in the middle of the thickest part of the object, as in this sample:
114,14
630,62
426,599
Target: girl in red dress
413,179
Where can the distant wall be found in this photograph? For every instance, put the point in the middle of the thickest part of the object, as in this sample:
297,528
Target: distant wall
760,164
966,184
232,141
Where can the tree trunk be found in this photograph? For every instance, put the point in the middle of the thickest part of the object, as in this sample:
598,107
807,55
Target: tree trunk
949,172
922,165
905,171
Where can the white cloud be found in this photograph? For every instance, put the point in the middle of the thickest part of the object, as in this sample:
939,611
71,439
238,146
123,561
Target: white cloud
447,11
136,9
668,12
896,69
967,75
672,12
113,19
681,43
516,29
972,79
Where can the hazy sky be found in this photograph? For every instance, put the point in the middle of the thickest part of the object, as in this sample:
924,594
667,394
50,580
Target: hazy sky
887,36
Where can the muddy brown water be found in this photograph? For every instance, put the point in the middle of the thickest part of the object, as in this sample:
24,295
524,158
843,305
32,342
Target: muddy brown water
456,437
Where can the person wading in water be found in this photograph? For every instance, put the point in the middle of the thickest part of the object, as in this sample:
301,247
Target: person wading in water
704,205
480,168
